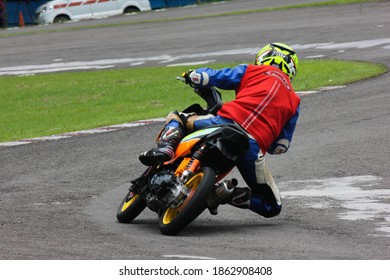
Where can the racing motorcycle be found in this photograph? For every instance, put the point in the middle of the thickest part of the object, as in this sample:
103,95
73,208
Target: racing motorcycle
180,189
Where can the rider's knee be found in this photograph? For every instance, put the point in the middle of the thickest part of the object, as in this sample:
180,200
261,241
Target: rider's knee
185,119
174,115
272,212
265,209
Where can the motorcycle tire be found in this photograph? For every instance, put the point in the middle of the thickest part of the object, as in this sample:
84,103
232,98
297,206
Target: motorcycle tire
131,206
173,220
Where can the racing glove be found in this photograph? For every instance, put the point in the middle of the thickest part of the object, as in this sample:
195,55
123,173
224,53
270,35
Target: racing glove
195,79
187,79
280,147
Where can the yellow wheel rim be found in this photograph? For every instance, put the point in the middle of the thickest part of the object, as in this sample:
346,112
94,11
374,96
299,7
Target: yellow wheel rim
192,184
128,203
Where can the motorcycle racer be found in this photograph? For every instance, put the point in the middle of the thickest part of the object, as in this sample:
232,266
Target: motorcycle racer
266,107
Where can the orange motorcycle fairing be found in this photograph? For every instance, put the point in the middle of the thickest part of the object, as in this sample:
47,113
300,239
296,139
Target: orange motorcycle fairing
188,142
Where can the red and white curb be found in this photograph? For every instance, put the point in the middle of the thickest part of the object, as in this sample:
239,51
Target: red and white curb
117,127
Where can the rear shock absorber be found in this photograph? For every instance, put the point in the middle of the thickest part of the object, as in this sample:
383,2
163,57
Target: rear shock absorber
193,164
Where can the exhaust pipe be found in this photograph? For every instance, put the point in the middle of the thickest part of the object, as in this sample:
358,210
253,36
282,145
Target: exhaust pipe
221,192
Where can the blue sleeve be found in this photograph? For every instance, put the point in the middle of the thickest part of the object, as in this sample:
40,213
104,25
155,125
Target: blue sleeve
289,127
226,78
286,134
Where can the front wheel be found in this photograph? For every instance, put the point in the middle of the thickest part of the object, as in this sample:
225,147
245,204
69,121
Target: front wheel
130,10
131,206
173,220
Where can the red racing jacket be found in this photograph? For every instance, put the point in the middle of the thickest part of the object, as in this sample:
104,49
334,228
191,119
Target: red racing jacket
266,105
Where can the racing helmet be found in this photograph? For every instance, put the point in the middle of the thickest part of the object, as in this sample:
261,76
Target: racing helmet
281,56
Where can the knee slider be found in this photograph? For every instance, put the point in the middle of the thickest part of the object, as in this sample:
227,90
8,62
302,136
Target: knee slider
272,212
264,208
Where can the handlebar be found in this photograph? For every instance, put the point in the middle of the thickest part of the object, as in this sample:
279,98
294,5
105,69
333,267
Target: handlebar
181,79
209,94
185,78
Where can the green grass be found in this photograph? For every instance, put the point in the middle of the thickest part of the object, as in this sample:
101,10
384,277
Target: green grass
314,74
32,106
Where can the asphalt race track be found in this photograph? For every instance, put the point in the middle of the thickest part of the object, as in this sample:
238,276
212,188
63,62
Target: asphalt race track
58,198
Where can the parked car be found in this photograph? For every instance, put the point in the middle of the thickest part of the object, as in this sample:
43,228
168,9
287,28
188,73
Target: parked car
69,10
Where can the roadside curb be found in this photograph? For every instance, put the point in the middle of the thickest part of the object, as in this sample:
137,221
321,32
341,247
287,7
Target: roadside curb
81,132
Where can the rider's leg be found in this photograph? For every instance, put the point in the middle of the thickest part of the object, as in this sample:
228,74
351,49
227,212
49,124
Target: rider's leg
198,122
240,196
176,126
265,198
167,141
263,195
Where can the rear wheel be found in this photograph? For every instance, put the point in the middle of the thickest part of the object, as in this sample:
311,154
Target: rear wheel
131,206
61,19
173,220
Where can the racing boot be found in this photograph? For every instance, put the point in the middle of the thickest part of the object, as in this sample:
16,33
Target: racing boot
228,192
240,198
166,145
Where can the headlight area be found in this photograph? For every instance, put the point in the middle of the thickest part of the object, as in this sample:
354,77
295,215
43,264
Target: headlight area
47,9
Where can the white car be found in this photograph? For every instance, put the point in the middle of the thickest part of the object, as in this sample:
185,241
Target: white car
69,10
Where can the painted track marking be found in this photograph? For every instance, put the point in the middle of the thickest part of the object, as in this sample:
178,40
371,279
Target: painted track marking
59,65
359,197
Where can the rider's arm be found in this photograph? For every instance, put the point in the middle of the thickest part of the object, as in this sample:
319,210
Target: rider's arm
226,78
282,143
